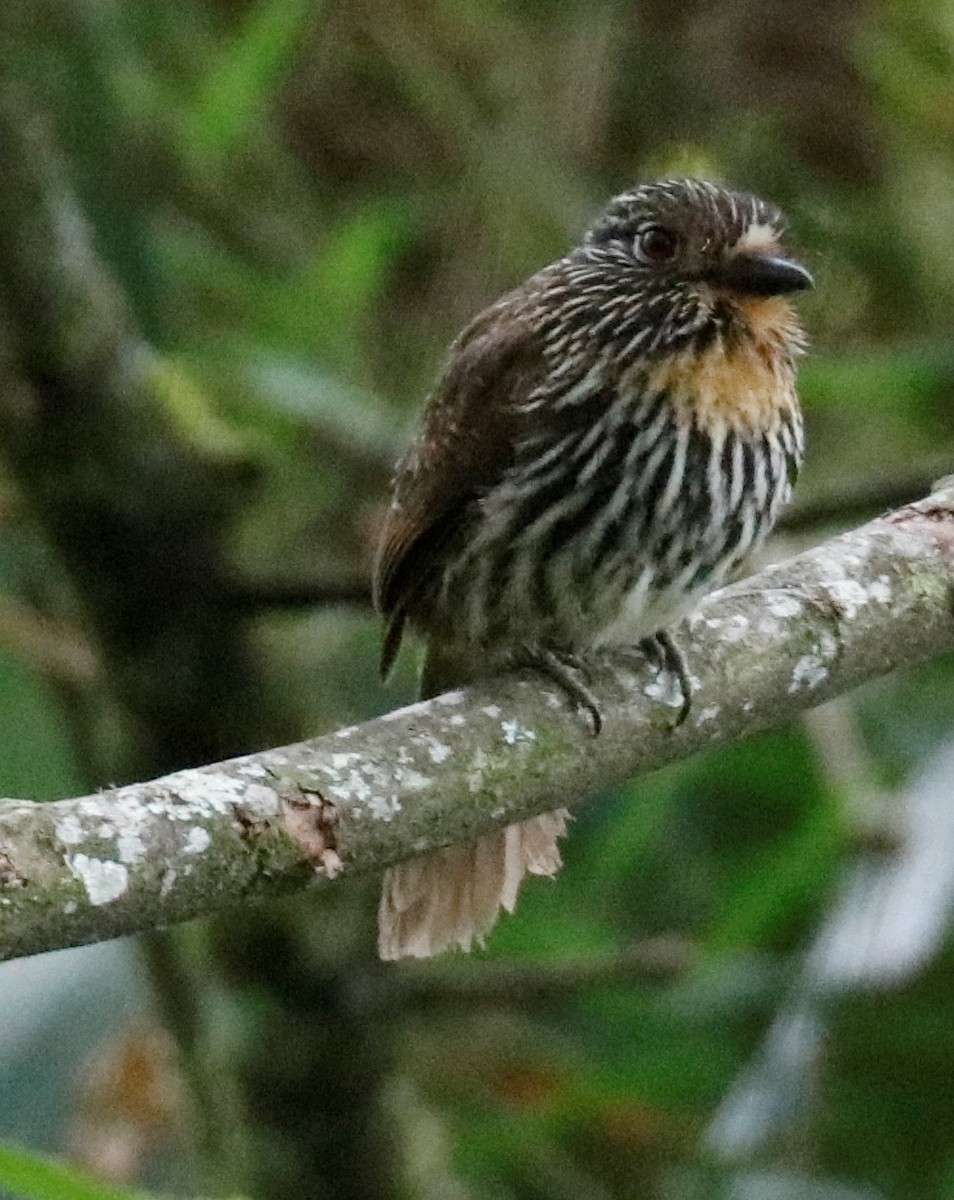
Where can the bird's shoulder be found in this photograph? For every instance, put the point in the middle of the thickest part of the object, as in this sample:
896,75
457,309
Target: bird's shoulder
473,419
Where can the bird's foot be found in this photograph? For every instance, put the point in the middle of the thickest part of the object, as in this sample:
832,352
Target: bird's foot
664,654
570,673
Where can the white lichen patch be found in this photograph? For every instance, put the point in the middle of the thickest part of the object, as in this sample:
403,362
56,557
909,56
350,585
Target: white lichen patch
197,841
657,688
707,714
103,879
330,864
338,764
277,760
106,830
812,669
849,595
491,710
169,876
411,780
784,606
259,802
383,808
514,732
733,628
363,784
664,689
197,794
880,589
353,788
69,908
437,751
252,769
130,848
69,831
475,776
457,719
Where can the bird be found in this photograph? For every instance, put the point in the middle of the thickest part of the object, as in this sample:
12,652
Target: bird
604,444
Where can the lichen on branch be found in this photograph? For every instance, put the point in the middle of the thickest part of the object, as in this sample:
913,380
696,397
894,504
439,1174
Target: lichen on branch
451,768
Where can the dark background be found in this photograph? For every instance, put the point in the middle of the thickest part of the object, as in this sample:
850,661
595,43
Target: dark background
234,241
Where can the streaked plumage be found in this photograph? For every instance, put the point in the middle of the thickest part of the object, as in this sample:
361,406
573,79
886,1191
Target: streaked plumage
606,443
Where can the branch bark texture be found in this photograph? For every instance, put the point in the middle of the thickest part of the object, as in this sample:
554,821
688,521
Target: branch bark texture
194,842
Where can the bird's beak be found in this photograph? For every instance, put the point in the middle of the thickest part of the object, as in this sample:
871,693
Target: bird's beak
762,275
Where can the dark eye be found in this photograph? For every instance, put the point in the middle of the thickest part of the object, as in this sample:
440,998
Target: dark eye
654,244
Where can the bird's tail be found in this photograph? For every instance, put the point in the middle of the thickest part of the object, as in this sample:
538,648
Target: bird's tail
452,898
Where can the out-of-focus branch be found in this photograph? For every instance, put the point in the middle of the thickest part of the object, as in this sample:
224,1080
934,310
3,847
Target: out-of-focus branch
864,498
138,510
51,646
855,502
433,985
253,596
470,761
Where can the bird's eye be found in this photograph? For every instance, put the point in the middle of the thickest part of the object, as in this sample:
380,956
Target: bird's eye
655,245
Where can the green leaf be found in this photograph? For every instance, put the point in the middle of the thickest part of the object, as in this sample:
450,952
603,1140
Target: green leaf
236,89
33,1176
36,757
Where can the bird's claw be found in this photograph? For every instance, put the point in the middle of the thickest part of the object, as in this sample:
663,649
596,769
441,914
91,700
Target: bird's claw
559,666
664,654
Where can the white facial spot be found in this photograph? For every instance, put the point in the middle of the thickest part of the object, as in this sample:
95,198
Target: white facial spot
758,239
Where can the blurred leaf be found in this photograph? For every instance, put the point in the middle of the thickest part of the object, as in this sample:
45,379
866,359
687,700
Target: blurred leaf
773,882
313,397
31,1176
36,759
238,85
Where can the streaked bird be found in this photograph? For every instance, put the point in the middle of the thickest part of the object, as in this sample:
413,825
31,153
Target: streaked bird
605,444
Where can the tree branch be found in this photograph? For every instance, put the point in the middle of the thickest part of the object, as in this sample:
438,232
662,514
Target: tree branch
860,499
435,985
194,842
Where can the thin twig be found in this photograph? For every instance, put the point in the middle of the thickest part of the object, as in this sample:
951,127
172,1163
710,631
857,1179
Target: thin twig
248,597
435,985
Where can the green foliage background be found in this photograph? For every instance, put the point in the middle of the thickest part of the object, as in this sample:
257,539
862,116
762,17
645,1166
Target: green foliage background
301,202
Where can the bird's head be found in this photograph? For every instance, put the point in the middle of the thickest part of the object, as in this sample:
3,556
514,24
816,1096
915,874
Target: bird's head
699,260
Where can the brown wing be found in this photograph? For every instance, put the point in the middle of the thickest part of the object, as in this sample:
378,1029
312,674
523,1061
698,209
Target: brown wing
470,428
